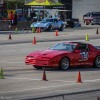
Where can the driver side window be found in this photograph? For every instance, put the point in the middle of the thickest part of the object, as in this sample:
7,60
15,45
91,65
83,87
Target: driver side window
55,20
83,47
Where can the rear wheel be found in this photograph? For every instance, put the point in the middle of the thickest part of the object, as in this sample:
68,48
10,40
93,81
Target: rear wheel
50,28
91,23
37,67
64,63
97,62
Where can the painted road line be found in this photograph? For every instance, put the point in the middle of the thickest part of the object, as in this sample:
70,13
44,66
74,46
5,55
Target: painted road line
17,72
48,42
39,88
53,80
12,58
91,80
54,86
38,79
23,78
11,62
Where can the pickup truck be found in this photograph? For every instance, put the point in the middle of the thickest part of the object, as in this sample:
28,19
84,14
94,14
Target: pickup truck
91,18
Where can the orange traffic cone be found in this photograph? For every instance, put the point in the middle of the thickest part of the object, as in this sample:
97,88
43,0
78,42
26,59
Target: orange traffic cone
56,34
39,29
97,31
9,36
79,78
34,42
44,76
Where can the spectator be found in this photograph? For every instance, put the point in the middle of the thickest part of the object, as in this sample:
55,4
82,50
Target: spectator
63,17
60,18
12,20
32,15
42,15
49,15
15,17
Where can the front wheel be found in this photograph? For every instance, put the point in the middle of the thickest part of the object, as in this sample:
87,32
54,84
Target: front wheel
97,62
64,63
50,28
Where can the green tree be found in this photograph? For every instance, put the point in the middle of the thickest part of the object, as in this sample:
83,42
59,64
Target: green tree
14,4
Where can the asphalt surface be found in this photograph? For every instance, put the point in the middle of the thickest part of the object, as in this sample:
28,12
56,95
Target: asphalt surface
26,36
22,81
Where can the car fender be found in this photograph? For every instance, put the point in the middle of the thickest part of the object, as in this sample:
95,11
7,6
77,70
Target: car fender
33,24
59,57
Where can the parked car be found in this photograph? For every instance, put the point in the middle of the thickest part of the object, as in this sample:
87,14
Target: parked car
86,15
64,55
92,18
49,24
69,23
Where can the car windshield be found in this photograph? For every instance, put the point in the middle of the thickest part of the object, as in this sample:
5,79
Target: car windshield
64,47
47,20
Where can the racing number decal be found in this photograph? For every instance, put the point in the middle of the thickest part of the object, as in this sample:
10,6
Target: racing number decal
83,56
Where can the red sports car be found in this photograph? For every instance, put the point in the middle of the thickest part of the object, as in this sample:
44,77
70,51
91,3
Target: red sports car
65,54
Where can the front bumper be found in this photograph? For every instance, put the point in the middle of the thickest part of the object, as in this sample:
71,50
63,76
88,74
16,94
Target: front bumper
36,62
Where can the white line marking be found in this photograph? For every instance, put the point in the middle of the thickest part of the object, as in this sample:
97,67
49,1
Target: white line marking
47,86
37,79
39,88
11,62
91,80
55,80
22,78
47,42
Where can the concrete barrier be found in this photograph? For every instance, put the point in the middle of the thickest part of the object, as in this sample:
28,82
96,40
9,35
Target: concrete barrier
21,25
4,25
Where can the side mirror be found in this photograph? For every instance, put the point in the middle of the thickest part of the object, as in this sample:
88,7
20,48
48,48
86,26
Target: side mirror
77,51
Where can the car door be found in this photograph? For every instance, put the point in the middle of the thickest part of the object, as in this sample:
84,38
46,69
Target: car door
55,24
83,56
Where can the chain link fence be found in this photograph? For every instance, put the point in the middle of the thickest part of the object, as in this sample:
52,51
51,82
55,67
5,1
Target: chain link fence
84,95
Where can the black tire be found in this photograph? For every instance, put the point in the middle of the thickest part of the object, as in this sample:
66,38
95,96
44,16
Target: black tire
37,67
96,62
61,28
91,23
72,26
64,63
50,28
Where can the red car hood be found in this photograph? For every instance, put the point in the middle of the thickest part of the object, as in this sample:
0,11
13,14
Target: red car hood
47,53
